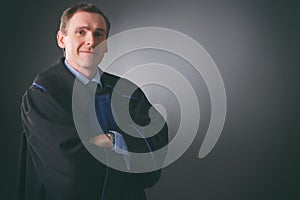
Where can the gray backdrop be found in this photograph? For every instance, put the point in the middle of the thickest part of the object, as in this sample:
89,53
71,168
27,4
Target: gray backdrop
253,43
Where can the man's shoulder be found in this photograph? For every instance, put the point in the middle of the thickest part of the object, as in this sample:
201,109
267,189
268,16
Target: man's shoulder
112,80
121,85
54,71
54,76
56,81
109,78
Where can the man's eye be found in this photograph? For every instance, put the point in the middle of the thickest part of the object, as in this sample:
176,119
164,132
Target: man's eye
98,34
80,32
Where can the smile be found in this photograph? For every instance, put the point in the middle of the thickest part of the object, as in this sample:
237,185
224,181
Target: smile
88,52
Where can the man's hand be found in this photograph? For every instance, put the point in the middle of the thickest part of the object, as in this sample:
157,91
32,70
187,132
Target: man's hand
101,141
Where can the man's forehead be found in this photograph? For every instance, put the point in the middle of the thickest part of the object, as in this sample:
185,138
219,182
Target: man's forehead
87,19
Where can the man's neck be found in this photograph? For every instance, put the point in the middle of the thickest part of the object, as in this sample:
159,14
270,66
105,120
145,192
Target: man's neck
89,72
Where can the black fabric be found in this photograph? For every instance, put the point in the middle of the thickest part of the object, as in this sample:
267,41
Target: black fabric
55,165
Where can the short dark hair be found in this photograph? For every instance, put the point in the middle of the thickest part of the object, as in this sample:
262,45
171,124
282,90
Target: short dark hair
86,7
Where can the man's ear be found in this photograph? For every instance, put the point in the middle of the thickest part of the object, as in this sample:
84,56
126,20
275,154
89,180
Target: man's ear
60,39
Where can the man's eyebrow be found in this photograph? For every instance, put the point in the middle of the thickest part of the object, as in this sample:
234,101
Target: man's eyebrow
88,28
101,29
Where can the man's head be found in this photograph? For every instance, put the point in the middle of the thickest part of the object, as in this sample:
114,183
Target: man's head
85,7
82,34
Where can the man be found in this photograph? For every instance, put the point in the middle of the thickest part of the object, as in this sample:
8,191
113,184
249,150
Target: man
55,163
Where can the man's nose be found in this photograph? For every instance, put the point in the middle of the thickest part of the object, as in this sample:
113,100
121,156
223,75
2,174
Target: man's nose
90,40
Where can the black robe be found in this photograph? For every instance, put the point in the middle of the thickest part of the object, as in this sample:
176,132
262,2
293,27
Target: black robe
54,163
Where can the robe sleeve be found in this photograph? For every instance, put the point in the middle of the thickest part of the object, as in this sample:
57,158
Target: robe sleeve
56,160
147,142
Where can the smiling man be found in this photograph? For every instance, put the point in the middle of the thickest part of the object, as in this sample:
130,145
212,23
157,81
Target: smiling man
81,37
54,163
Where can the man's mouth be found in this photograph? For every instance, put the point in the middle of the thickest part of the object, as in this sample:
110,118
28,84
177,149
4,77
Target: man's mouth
88,52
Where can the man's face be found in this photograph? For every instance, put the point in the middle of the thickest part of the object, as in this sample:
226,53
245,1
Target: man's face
85,40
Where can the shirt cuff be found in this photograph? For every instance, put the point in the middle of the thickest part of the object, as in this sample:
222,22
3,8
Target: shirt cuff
120,147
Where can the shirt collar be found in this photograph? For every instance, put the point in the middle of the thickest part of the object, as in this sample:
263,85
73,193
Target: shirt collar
80,76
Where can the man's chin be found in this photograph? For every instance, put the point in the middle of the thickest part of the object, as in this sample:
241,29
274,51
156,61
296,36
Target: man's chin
90,61
90,64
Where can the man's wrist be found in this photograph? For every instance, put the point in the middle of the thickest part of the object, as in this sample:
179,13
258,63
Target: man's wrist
111,137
